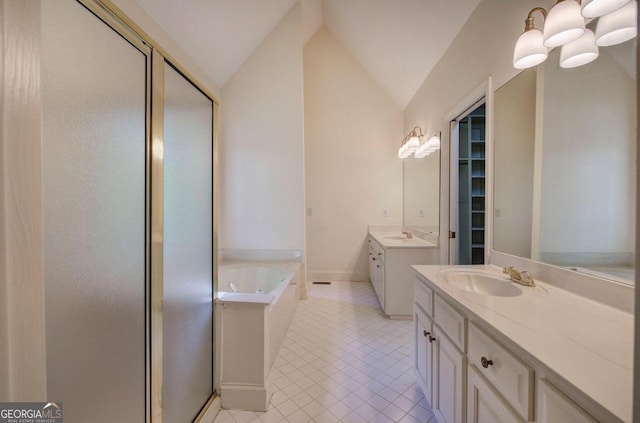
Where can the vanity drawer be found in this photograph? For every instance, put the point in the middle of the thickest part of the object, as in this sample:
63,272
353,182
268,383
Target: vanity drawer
451,322
510,376
423,295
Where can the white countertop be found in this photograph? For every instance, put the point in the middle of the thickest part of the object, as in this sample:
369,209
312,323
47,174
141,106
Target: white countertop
398,240
587,344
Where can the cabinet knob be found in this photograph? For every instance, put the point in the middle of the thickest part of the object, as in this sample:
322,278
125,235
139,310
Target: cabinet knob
373,258
486,363
377,265
370,253
425,333
431,339
379,254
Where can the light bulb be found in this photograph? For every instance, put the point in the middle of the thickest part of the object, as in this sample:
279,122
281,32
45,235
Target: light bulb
618,26
579,52
434,143
413,144
423,154
530,50
564,24
597,8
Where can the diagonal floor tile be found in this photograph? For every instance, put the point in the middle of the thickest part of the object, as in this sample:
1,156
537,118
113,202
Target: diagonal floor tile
342,361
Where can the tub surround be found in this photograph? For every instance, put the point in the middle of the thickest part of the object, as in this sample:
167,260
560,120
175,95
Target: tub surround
252,326
583,347
229,256
282,269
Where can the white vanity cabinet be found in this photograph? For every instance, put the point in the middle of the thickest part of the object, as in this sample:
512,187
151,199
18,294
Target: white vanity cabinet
467,375
391,274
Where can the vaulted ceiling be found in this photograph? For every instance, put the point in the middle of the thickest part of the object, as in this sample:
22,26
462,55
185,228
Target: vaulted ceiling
397,41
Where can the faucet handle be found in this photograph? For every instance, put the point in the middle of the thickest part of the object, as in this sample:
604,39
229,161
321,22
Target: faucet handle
527,278
513,273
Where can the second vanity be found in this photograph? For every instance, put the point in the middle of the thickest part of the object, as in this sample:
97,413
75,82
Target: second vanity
488,350
391,255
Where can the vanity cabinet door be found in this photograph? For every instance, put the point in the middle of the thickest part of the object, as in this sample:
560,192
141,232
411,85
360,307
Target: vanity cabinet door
379,286
449,368
554,406
423,348
372,266
484,404
376,270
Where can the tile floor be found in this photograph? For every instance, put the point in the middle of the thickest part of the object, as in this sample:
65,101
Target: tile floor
342,361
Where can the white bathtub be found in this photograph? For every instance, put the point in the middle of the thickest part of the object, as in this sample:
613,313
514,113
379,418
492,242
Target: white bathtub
254,278
256,303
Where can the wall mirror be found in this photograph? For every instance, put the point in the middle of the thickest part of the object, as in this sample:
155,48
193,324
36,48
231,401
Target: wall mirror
564,173
421,186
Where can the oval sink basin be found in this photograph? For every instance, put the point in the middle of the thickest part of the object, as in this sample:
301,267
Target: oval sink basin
480,283
396,237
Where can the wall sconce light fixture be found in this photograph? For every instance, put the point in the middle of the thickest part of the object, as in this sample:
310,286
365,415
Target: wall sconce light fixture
412,144
564,26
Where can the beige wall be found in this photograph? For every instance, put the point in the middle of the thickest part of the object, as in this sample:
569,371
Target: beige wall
353,131
261,146
483,48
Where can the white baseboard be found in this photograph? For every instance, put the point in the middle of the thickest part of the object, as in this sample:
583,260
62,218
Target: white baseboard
338,276
245,397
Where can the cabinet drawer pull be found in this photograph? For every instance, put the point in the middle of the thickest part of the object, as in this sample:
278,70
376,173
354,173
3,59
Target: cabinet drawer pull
486,363
370,254
379,254
431,339
425,333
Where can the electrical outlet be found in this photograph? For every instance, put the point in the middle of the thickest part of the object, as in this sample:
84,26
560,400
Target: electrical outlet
421,213
385,212
309,211
497,212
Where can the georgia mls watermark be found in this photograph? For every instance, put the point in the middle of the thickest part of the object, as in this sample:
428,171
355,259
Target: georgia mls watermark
30,412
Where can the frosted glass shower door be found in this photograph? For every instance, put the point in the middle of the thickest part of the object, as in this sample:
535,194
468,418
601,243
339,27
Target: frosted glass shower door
188,249
94,107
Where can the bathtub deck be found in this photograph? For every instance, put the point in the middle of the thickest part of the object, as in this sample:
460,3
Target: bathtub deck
342,361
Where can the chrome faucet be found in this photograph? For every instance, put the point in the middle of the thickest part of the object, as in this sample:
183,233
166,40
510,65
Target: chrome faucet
408,234
523,278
